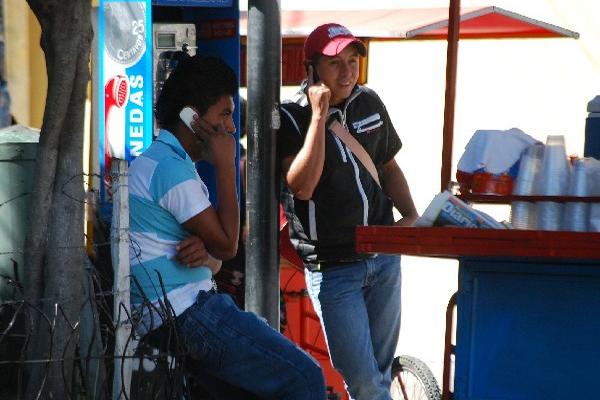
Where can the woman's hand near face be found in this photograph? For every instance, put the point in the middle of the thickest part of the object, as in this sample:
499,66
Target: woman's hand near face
318,96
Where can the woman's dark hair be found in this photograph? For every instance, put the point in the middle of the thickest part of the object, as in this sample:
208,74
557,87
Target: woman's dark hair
199,81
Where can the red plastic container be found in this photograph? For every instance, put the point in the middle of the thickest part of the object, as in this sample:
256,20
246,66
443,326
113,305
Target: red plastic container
484,183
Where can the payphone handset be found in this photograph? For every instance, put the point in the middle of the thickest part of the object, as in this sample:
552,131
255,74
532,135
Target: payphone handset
187,116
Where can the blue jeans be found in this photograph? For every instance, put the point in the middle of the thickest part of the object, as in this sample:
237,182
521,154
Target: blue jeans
359,308
239,356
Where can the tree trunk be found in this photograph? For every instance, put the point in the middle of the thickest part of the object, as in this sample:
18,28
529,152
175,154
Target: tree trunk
54,243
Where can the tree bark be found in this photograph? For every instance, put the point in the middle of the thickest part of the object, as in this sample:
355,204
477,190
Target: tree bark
54,242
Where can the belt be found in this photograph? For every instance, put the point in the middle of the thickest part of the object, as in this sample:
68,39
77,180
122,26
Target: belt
323,265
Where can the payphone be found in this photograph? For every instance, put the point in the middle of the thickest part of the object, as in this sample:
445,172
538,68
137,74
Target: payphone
169,42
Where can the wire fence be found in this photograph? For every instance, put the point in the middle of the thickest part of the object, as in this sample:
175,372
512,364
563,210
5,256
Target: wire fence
43,341
157,363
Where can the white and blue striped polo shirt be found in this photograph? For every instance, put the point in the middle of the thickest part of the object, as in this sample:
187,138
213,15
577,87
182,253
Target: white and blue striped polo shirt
164,191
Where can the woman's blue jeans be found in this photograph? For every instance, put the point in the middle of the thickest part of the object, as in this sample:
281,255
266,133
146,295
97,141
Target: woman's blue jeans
238,356
359,308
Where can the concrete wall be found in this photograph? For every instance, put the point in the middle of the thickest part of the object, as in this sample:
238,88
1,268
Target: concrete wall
26,67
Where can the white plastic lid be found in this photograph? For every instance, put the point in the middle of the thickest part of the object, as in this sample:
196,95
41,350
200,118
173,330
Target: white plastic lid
594,105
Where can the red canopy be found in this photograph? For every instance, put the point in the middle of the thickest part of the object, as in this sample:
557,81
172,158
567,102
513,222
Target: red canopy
418,23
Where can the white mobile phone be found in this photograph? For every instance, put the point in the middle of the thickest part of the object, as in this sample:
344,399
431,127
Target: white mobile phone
187,116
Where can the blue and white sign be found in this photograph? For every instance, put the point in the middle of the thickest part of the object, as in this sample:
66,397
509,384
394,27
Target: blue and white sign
125,90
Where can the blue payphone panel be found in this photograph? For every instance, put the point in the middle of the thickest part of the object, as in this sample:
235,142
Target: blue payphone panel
216,34
127,66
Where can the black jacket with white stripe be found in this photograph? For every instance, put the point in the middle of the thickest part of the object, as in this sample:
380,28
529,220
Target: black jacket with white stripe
322,229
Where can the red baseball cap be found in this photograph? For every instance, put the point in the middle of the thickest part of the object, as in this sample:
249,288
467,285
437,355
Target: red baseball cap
330,40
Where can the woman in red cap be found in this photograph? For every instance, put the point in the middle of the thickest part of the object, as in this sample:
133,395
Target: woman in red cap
336,152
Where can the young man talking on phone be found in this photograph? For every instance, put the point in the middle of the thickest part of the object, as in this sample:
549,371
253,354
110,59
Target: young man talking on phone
336,149
234,353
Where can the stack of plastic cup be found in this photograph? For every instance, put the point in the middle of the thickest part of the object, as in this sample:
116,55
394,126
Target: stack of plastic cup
523,213
553,181
577,213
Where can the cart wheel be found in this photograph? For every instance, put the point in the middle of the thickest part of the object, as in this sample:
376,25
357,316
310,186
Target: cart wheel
413,380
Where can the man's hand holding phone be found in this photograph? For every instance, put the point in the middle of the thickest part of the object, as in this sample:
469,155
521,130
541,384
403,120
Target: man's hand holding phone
218,145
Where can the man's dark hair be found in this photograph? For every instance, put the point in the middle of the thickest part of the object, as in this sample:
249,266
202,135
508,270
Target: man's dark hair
243,107
198,81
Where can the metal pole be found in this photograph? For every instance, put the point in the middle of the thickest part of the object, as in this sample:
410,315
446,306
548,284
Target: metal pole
264,80
119,239
451,65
